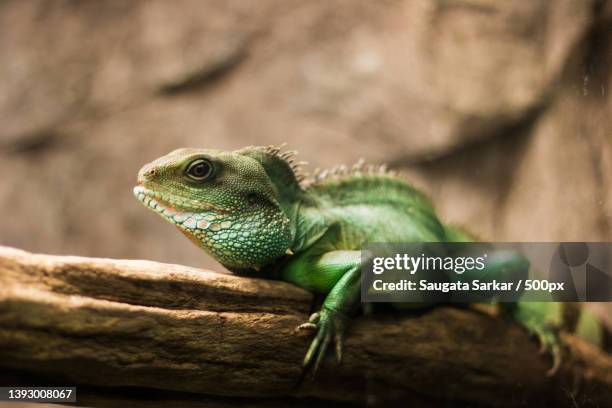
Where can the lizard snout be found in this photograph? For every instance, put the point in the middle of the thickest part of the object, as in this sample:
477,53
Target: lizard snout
147,173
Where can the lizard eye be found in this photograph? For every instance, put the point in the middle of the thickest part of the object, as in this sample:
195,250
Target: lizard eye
199,169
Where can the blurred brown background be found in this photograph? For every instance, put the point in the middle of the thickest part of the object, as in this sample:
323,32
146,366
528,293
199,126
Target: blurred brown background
500,110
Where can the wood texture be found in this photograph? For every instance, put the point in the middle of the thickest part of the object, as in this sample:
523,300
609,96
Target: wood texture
120,323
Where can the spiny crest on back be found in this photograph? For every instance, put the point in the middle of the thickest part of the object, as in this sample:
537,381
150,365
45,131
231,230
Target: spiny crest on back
366,183
282,165
342,172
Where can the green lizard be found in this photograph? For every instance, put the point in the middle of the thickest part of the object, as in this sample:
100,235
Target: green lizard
255,213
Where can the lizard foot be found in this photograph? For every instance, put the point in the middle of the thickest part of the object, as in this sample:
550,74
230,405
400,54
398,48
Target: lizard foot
330,326
537,318
550,342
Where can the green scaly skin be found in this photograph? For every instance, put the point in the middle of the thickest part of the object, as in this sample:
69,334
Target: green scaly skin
250,210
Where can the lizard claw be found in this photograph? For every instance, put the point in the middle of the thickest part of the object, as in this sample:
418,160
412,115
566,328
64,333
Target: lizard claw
305,327
310,325
339,343
556,353
314,318
330,328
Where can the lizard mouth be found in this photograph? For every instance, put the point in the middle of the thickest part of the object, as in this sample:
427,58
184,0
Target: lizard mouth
179,211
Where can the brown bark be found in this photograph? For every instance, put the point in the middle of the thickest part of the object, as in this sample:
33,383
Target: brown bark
119,323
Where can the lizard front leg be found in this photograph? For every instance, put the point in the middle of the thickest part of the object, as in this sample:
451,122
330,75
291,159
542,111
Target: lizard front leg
337,273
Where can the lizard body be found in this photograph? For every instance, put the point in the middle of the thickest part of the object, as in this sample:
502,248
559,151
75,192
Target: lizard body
252,210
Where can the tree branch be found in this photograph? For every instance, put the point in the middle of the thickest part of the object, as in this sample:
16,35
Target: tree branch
125,323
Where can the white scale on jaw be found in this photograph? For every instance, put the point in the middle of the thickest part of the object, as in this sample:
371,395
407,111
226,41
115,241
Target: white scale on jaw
186,219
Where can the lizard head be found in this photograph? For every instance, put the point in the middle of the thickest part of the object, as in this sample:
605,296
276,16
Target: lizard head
235,205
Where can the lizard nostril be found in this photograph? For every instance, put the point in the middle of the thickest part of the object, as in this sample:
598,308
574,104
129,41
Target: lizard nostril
146,174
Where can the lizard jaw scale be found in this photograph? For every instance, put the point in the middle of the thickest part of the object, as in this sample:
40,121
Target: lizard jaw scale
186,205
191,220
168,211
